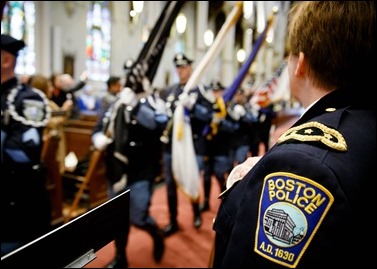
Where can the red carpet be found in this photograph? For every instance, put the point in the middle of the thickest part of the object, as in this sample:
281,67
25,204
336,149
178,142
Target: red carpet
188,248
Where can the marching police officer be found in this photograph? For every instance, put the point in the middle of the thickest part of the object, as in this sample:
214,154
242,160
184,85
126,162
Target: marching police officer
130,133
171,96
25,205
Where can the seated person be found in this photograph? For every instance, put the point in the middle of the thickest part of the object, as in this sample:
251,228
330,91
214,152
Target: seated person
87,102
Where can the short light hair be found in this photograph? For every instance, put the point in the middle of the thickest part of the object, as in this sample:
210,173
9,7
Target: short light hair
338,39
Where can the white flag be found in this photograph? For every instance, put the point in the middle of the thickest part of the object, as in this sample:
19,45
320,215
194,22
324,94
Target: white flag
184,163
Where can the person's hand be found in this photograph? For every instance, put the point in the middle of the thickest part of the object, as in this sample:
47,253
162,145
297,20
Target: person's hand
120,185
100,141
238,112
128,97
239,171
84,76
187,100
67,105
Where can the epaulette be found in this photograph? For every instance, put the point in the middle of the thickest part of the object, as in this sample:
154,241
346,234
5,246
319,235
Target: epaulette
315,132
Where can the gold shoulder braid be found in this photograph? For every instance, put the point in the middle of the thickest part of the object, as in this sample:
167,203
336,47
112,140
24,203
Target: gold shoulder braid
315,131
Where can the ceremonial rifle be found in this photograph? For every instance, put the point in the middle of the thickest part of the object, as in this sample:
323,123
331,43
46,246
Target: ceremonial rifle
145,67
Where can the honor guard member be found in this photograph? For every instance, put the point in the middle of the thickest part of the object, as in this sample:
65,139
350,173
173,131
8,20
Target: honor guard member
217,141
131,137
309,201
25,205
171,95
244,118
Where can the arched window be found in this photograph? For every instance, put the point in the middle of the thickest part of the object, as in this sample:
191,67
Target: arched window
98,25
18,21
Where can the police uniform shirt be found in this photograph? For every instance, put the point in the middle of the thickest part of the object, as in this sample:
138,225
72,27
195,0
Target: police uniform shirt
200,118
309,202
136,138
170,96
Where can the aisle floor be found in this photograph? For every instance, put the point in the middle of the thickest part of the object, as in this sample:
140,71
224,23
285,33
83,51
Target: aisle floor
188,248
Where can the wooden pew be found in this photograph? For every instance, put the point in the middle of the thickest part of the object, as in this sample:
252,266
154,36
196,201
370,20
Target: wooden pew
78,137
53,181
92,183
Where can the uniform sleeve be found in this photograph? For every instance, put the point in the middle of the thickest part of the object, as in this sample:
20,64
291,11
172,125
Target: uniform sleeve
281,209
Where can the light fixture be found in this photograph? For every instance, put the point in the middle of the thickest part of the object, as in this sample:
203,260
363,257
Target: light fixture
208,37
133,13
248,8
181,23
138,6
69,7
241,55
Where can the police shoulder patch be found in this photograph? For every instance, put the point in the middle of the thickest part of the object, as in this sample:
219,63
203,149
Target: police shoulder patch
33,110
291,209
315,132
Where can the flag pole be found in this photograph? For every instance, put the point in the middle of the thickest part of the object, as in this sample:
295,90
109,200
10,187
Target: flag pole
216,47
184,163
144,69
232,89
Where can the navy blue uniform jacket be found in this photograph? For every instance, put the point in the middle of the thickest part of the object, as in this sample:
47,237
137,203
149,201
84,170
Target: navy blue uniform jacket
310,201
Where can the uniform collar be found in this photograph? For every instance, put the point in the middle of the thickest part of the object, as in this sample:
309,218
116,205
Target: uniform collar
335,100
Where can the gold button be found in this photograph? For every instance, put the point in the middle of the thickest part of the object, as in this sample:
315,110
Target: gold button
330,109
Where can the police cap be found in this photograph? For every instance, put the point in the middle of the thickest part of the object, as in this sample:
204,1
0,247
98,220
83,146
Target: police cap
11,45
216,85
181,60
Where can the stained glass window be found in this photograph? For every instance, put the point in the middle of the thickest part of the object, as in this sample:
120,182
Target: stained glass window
18,21
98,25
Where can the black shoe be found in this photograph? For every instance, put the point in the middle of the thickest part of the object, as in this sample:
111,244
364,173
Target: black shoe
158,246
197,222
170,229
204,207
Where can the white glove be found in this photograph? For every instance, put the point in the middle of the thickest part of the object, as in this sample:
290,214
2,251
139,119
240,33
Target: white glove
70,161
237,112
120,185
128,97
188,100
100,141
160,106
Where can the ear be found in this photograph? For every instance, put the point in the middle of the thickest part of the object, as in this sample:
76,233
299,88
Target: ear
301,65
7,60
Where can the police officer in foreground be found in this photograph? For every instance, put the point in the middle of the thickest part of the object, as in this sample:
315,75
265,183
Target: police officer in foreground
25,205
309,201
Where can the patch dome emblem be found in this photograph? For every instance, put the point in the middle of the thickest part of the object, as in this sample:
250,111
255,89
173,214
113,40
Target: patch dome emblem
291,209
